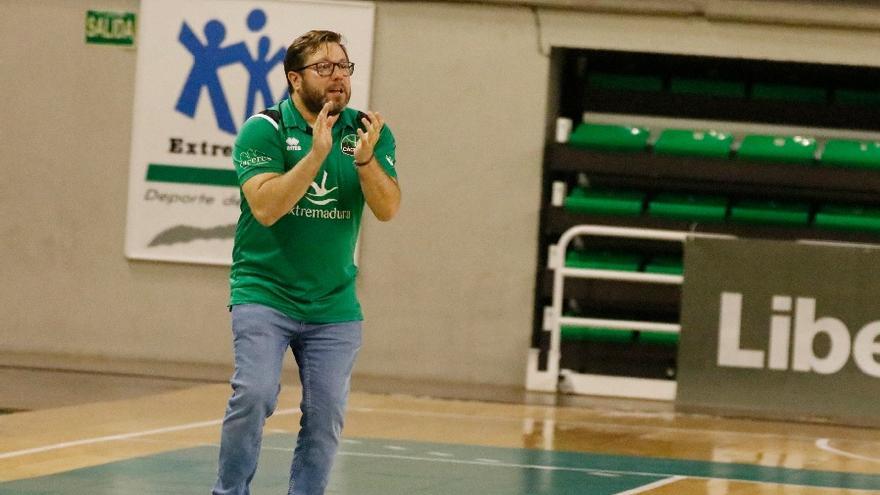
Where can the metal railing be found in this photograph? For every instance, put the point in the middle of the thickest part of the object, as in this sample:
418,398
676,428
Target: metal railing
554,320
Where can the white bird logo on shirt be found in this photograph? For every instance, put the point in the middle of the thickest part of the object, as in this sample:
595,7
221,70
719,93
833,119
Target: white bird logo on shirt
320,192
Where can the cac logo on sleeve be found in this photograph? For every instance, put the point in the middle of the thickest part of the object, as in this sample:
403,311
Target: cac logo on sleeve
348,144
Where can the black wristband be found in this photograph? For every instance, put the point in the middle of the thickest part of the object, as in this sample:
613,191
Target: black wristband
363,164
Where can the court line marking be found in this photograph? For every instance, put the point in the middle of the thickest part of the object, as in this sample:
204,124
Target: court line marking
651,486
609,425
446,458
818,442
825,444
822,443
123,436
440,454
480,462
668,478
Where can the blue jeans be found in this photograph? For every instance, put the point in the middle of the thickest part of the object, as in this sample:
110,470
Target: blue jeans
325,355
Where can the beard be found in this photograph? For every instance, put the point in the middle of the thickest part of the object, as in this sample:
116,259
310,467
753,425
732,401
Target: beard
314,99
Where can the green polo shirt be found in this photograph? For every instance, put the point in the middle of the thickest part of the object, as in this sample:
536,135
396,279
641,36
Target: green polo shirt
303,265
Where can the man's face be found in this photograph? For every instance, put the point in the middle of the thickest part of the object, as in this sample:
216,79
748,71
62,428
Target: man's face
315,90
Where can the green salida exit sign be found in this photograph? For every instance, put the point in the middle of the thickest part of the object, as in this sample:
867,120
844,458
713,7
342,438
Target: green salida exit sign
110,28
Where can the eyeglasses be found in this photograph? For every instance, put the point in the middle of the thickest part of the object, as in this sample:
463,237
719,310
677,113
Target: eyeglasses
325,69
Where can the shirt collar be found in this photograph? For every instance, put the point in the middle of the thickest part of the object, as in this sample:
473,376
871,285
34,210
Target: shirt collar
293,118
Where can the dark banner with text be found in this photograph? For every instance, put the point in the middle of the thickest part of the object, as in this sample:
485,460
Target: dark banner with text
780,329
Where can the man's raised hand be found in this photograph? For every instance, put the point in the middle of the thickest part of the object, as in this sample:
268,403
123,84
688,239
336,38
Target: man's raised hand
374,123
322,132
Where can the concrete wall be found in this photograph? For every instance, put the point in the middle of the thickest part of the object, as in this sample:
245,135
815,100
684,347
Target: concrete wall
447,286
66,133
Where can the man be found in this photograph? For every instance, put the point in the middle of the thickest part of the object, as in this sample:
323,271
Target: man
306,166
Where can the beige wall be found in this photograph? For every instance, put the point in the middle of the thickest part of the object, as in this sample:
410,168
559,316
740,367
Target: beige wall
66,133
447,286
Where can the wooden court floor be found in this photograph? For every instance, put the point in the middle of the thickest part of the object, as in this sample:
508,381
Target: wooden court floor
166,442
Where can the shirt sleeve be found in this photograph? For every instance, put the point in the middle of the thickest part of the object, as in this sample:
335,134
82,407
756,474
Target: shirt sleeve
257,150
386,152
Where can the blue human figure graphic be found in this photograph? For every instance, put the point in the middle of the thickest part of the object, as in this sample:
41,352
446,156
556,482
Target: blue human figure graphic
260,66
259,69
207,59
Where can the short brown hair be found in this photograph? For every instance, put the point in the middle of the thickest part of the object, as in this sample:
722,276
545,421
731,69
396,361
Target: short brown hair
305,46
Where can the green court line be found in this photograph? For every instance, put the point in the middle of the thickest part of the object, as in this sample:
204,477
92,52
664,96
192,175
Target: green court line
649,466
179,174
380,472
391,467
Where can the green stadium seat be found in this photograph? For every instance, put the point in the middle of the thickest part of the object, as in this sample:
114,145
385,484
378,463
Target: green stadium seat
590,334
657,338
610,137
615,336
788,92
603,260
712,144
604,202
857,97
686,207
625,82
707,87
846,153
770,212
787,149
848,218
665,265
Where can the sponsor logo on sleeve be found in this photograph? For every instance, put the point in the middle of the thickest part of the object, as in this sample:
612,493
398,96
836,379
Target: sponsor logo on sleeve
252,158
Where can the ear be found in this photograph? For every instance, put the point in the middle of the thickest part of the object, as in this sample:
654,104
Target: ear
295,79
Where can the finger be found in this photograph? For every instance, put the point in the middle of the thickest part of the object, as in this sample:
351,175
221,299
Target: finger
375,130
324,111
369,128
363,139
332,120
378,122
366,135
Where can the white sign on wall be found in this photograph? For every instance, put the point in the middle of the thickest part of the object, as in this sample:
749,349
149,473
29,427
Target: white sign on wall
203,67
